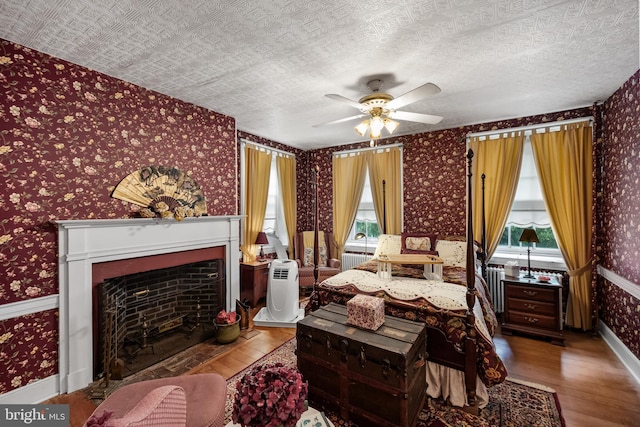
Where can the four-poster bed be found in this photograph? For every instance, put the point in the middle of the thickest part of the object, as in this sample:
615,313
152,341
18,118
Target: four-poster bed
457,311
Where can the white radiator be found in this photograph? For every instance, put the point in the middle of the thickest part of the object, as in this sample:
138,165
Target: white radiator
351,260
494,282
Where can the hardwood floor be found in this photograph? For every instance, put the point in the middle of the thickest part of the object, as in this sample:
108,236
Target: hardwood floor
594,387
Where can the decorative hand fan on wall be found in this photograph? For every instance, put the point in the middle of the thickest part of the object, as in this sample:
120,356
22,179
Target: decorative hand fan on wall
379,109
162,191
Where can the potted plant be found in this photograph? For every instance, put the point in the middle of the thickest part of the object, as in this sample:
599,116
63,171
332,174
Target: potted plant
227,326
270,396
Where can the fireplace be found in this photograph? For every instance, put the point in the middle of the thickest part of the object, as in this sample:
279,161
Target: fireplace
92,250
145,317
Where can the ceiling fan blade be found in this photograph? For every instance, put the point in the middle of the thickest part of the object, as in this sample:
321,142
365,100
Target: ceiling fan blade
346,119
348,101
415,117
414,95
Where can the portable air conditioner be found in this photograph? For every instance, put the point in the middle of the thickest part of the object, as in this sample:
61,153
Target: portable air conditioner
282,290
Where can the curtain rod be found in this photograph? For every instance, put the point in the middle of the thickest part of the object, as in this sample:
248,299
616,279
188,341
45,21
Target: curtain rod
265,147
530,127
359,150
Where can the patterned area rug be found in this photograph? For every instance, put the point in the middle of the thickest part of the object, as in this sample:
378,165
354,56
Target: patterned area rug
511,404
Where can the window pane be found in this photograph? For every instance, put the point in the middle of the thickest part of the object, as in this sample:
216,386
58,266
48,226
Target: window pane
528,208
504,240
516,232
546,237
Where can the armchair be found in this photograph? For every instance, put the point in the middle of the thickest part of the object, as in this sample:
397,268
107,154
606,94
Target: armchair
188,400
303,253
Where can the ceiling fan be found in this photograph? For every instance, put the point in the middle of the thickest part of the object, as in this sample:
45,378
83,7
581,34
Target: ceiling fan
381,108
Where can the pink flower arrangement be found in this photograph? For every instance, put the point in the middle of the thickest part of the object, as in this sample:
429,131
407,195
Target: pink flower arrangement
270,396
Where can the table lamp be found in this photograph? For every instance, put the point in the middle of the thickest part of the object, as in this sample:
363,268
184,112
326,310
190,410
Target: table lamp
529,235
261,240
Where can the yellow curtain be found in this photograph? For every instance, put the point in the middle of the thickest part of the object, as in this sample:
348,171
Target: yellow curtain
386,165
287,177
257,168
348,181
500,160
564,161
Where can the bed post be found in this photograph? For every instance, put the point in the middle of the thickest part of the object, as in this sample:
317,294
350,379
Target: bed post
485,259
316,246
384,207
470,341
314,298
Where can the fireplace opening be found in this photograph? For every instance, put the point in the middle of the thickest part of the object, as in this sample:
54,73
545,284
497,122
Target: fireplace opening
146,317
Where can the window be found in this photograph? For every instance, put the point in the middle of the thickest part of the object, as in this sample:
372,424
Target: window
274,223
365,221
384,164
528,210
274,214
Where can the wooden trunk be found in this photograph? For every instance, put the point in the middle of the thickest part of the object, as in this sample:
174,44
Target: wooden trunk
369,377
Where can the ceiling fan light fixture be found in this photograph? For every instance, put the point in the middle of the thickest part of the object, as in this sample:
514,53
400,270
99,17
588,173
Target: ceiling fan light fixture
376,125
362,127
390,125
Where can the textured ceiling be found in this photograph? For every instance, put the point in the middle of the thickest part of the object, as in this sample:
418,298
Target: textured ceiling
269,64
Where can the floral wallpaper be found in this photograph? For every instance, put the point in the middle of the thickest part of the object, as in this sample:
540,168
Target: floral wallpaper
620,211
68,135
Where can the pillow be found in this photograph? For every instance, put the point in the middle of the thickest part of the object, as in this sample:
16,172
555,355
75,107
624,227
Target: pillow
308,256
452,252
162,406
308,237
389,244
410,251
419,241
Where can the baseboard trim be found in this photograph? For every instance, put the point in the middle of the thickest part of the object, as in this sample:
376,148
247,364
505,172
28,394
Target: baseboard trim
628,359
35,392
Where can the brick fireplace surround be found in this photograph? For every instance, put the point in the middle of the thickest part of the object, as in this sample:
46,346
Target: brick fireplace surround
83,243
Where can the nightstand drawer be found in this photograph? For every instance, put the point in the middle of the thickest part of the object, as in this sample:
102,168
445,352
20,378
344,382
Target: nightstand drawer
531,306
532,320
530,293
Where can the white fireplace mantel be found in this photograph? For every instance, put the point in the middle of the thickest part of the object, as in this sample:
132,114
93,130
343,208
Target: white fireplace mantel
85,242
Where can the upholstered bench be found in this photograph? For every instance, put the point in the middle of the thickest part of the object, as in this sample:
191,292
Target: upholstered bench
164,401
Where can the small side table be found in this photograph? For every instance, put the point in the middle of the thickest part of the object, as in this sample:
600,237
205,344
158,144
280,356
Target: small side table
533,307
254,277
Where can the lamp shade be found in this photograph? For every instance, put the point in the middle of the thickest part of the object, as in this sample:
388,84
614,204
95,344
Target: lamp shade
360,236
262,238
529,235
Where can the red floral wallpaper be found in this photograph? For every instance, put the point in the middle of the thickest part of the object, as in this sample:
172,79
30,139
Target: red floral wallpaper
68,135
620,211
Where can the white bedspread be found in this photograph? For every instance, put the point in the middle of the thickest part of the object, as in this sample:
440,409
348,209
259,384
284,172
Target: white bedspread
441,294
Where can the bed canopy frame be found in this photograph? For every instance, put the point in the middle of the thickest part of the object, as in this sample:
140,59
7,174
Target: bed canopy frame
468,364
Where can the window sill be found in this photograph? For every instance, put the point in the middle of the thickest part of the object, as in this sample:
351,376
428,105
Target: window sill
538,262
360,247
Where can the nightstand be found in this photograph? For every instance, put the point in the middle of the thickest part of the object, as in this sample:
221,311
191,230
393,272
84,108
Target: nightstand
254,277
533,307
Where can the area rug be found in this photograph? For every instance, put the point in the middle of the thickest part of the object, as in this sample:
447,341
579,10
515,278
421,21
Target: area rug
511,404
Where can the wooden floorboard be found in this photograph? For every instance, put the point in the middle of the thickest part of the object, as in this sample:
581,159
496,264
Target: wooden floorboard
593,386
